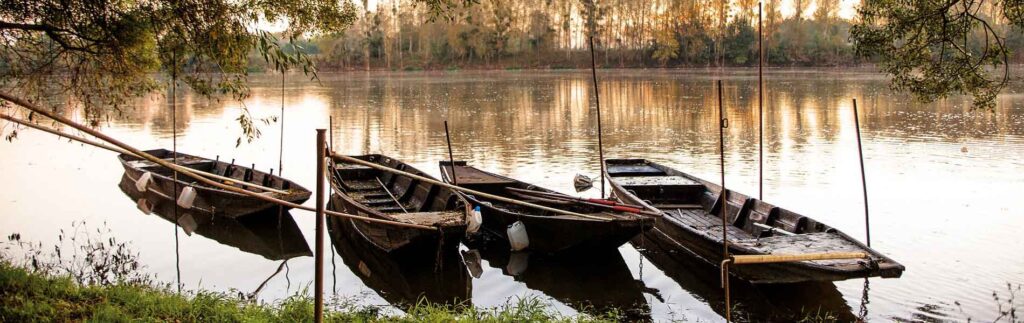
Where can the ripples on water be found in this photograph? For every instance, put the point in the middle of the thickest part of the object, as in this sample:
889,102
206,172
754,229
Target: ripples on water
944,180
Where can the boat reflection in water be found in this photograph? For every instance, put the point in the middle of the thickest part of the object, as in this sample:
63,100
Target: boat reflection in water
406,276
271,234
596,282
758,302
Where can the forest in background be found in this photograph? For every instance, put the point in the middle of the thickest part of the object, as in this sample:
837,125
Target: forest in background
528,34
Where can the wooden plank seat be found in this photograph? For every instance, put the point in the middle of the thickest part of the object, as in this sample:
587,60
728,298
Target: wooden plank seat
817,242
442,218
634,170
630,181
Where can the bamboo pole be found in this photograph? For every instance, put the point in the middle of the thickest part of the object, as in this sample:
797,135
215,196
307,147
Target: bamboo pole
122,151
463,189
318,310
760,105
190,172
451,157
597,102
770,259
863,179
724,195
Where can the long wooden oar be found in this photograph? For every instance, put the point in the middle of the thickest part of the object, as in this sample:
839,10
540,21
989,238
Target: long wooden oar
189,172
570,199
463,189
122,151
564,196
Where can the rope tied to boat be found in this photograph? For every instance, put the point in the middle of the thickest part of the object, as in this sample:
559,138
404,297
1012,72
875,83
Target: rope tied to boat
121,146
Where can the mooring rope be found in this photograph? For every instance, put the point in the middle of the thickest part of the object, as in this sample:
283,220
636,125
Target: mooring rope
189,172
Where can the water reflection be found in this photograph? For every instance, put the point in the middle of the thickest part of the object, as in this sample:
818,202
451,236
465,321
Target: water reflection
591,282
270,234
773,302
405,277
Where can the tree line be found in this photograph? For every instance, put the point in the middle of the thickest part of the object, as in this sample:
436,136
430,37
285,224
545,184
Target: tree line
405,35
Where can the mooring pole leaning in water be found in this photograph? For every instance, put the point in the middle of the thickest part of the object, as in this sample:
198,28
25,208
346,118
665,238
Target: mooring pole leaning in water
319,261
863,179
597,103
724,195
760,105
451,157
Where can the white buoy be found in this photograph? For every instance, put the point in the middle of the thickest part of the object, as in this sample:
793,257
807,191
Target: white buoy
475,221
143,181
517,236
188,195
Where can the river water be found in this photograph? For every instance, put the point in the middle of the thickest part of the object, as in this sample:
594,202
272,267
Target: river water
944,184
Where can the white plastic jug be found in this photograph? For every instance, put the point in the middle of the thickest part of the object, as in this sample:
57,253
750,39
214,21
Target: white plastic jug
143,181
475,221
517,236
188,195
145,206
517,263
188,223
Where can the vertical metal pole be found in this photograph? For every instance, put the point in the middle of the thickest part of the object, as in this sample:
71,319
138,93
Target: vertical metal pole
863,179
722,124
760,106
597,102
330,133
319,260
451,157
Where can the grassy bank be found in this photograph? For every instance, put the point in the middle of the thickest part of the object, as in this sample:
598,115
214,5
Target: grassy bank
27,296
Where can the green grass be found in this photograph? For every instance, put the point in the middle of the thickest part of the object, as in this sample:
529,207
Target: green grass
27,296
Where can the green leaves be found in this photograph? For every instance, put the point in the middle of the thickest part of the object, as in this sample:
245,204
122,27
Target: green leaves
934,48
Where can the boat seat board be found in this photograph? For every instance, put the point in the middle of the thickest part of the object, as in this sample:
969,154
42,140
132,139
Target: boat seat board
443,218
818,242
697,219
634,170
465,175
182,160
656,181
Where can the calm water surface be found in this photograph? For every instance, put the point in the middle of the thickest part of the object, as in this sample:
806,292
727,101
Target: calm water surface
944,184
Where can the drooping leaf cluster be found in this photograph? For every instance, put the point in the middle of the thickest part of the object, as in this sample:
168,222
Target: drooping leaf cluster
934,48
100,53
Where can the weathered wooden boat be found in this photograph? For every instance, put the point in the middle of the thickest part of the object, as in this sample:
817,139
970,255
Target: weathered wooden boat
404,277
547,231
211,199
691,221
268,233
766,302
374,193
596,282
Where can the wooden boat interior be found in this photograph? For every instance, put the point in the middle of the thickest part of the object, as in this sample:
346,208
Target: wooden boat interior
399,197
230,170
755,225
479,180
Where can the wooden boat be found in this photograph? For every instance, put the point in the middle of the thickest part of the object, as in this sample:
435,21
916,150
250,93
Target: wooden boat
594,282
374,193
766,302
547,232
271,234
209,199
404,277
691,221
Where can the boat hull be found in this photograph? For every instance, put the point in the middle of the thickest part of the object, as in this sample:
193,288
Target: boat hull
700,234
208,199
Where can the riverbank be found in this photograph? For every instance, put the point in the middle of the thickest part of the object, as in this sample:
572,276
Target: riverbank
27,296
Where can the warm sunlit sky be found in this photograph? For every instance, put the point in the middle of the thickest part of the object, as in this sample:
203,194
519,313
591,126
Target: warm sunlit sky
847,9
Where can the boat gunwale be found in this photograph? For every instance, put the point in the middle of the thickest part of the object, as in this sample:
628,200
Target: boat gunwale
295,192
